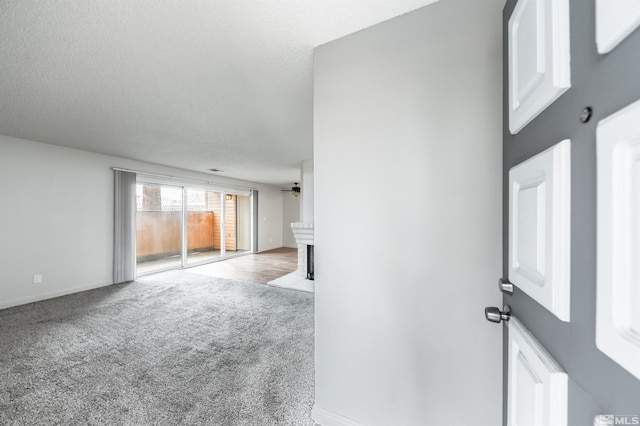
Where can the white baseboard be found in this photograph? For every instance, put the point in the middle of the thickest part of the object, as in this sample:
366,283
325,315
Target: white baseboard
49,295
324,417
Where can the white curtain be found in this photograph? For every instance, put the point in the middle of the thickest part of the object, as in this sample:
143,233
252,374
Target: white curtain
124,253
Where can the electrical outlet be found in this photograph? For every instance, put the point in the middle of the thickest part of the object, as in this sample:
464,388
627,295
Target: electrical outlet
37,279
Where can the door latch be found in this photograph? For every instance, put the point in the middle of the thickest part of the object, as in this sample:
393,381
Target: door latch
505,286
493,314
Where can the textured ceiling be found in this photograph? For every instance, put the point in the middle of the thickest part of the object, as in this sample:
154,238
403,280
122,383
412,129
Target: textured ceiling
193,84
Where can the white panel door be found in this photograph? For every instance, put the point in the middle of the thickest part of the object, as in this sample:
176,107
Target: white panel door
615,20
618,303
539,228
539,58
538,386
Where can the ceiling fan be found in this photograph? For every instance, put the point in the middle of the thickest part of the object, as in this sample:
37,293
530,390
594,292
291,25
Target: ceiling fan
295,190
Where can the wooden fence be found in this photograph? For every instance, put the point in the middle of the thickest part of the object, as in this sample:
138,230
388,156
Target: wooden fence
158,233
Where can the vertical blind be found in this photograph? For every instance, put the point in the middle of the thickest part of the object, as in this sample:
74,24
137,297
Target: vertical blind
254,216
124,256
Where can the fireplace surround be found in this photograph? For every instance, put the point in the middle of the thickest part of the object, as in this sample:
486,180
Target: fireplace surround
303,233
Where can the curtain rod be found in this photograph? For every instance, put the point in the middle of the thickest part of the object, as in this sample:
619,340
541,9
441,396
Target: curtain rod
183,179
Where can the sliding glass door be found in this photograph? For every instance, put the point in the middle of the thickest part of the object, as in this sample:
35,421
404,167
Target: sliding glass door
179,226
204,226
158,227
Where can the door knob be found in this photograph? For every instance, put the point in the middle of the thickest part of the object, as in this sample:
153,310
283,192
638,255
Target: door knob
494,314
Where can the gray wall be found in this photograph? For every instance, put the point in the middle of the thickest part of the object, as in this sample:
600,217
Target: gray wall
597,385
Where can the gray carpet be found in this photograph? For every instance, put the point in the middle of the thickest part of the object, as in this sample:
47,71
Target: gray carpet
172,348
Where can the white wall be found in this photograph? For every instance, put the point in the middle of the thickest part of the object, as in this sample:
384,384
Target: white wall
269,217
290,213
56,218
408,115
306,211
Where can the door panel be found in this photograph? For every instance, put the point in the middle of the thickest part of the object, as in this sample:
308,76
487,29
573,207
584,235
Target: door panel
204,221
615,20
618,312
606,83
158,228
244,223
539,60
539,228
537,383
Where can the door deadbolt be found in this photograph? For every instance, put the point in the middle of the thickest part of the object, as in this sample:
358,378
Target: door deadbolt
585,114
493,314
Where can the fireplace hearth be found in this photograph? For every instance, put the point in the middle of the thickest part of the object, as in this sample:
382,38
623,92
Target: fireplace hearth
303,278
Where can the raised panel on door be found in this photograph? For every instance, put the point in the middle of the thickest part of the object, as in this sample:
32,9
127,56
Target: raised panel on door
537,385
615,20
539,228
618,295
539,58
